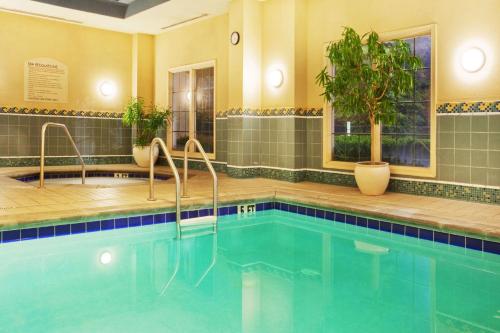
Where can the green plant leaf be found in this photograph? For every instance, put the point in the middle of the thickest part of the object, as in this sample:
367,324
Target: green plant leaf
147,122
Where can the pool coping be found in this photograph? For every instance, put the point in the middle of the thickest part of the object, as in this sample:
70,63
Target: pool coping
315,197
429,222
168,216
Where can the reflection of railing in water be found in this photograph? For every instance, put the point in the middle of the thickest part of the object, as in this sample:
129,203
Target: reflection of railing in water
178,256
176,269
42,151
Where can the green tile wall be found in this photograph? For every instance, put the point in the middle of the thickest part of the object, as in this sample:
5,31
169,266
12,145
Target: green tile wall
20,136
221,139
282,142
260,145
468,148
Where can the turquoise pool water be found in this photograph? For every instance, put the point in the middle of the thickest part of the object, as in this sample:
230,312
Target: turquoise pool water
272,272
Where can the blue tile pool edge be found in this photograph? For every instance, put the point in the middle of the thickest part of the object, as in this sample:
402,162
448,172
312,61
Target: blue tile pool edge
437,236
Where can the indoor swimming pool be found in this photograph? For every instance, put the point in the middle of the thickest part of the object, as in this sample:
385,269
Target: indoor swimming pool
273,271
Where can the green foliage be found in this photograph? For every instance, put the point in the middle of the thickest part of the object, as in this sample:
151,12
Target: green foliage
351,148
147,121
370,76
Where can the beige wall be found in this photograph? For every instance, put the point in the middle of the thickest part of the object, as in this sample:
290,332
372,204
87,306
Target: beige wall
459,24
143,67
235,60
92,55
278,51
200,42
288,34
252,54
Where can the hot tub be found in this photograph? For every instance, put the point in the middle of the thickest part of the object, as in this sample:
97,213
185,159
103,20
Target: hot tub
107,178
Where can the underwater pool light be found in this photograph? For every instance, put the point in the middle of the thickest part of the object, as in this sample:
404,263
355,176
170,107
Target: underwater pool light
105,258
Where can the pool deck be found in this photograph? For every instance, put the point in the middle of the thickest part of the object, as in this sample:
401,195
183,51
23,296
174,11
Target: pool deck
23,203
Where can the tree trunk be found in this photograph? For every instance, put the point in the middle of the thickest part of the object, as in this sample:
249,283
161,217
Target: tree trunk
374,135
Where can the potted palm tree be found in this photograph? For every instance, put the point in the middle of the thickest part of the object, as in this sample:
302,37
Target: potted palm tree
370,77
147,121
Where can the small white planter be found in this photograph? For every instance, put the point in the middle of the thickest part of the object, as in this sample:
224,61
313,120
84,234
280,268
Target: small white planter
141,155
372,177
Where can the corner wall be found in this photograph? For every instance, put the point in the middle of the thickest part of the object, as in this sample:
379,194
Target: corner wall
282,138
91,56
465,153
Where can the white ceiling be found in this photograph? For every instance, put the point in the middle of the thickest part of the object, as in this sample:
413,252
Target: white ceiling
149,21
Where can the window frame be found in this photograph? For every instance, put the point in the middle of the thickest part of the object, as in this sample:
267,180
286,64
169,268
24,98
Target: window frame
430,171
191,68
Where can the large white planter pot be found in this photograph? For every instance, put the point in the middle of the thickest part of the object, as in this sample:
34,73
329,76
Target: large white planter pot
372,177
141,155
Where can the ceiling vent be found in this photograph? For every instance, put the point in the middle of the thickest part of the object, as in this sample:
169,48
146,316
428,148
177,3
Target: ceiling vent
185,21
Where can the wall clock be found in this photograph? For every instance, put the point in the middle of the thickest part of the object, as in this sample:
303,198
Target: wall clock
235,38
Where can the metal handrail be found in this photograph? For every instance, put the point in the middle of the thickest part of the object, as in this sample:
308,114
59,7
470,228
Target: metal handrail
210,168
42,151
161,143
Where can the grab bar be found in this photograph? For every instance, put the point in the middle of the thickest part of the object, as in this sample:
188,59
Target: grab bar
42,151
161,143
210,168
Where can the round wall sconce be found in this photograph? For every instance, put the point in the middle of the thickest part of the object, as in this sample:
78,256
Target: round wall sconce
107,89
275,78
105,258
473,59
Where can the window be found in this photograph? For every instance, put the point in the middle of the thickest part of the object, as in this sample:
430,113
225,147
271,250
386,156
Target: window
408,145
192,100
407,142
351,141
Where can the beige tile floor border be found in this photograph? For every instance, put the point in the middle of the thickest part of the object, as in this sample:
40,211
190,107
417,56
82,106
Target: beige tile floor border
22,203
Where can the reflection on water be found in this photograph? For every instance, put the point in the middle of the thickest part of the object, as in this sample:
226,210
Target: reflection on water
270,273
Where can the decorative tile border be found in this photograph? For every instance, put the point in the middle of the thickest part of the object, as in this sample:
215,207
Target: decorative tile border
57,161
449,191
59,112
88,174
469,107
277,112
193,164
471,193
437,236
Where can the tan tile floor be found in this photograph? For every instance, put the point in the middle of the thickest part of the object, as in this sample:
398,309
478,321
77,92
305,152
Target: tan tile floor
22,203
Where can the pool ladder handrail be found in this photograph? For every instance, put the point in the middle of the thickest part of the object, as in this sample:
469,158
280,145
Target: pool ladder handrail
163,146
212,172
42,151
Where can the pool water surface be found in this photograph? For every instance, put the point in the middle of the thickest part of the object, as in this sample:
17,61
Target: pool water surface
271,272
